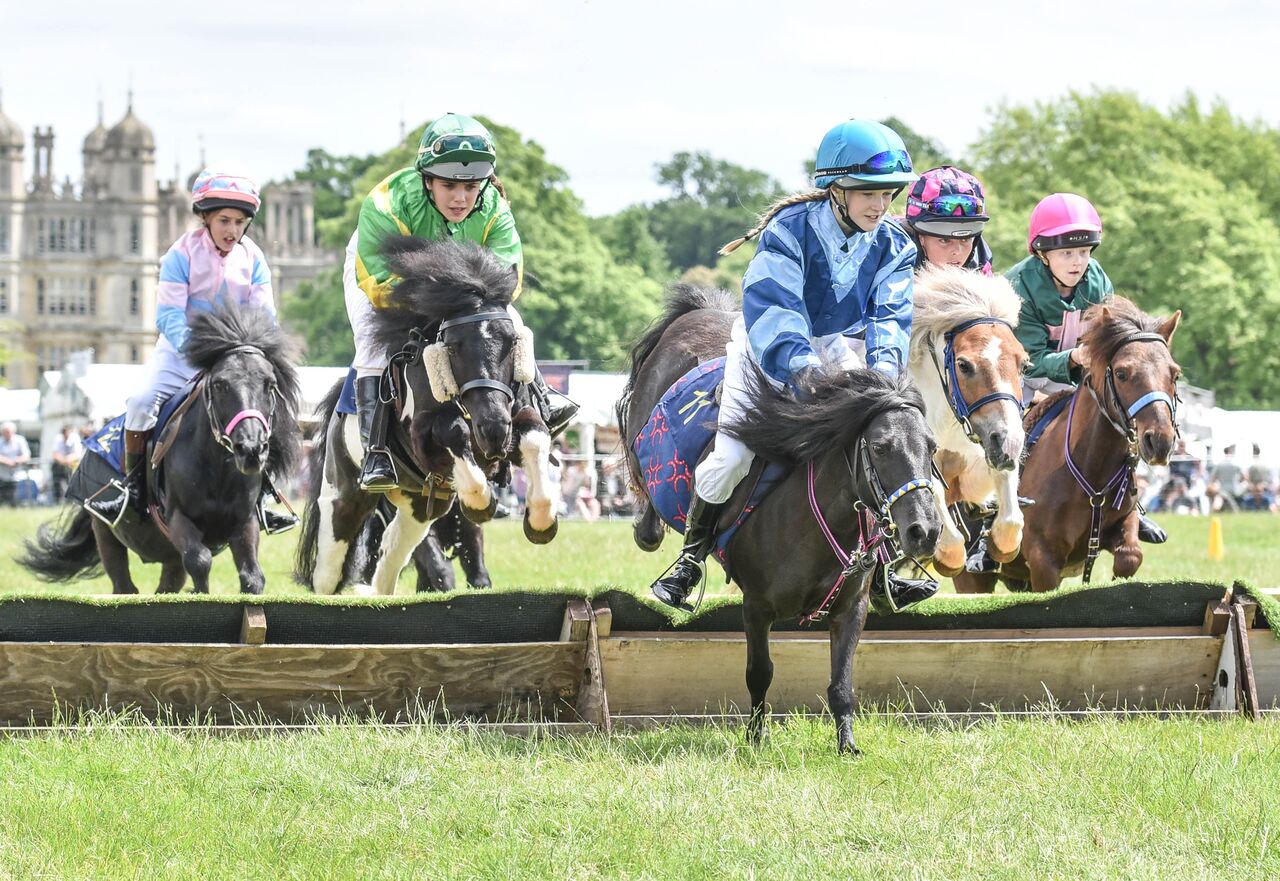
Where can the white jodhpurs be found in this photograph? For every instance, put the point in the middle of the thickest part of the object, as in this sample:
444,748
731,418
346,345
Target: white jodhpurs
167,372
371,356
720,473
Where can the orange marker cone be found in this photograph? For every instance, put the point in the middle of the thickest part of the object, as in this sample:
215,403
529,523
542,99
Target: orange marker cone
1217,550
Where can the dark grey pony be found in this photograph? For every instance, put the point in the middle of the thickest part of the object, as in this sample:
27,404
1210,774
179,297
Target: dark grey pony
212,476
860,435
452,537
458,359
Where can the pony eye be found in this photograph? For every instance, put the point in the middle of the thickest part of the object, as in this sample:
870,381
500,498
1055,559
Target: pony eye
1122,375
965,367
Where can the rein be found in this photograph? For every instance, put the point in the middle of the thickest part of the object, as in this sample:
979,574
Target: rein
876,529
1122,480
960,408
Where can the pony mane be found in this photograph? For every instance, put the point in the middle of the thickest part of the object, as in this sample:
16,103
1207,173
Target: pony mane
1105,336
439,280
784,429
946,296
224,328
1032,416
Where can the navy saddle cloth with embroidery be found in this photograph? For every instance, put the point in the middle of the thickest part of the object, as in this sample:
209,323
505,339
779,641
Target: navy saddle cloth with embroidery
679,430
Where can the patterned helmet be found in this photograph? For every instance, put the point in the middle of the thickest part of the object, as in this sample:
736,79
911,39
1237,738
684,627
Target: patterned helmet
457,147
863,155
219,189
1064,220
948,203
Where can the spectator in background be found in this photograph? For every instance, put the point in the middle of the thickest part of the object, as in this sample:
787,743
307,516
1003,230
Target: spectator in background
67,450
1226,482
587,504
1260,494
14,453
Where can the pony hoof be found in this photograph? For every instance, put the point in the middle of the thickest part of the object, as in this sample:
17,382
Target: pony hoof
540,537
850,749
364,590
1002,556
947,571
480,584
481,515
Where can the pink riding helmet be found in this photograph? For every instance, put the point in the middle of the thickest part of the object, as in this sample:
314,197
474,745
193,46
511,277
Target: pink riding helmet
1064,220
948,203
218,189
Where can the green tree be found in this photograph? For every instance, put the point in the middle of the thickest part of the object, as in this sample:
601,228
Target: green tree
581,300
712,201
1188,202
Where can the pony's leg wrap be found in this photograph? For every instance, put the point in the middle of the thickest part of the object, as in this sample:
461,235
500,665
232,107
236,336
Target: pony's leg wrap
951,551
540,502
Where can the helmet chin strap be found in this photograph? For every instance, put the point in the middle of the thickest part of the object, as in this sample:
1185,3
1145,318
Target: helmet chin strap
842,210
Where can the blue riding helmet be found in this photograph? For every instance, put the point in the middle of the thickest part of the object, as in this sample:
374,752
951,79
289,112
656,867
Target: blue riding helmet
860,154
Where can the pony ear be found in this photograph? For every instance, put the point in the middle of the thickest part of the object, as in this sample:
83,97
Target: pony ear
524,367
435,358
1170,325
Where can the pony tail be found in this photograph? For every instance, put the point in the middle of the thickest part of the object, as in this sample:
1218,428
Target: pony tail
502,191
786,202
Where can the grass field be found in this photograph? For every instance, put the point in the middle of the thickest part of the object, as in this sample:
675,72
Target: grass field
588,555
1004,799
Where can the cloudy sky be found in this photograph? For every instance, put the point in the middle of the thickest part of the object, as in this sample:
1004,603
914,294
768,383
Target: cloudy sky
608,88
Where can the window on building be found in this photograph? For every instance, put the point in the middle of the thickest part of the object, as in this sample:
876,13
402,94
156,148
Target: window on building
61,244
134,236
93,296
4,234
93,235
134,355
4,297
39,296
134,303
40,236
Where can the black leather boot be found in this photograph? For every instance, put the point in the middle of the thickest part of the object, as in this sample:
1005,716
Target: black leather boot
377,472
892,592
110,503
556,410
674,587
271,520
1149,531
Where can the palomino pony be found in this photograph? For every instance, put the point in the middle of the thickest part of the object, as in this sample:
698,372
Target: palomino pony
240,425
458,363
968,366
1080,470
815,543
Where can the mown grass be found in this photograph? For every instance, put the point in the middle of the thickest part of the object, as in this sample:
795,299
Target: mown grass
588,555
1033,799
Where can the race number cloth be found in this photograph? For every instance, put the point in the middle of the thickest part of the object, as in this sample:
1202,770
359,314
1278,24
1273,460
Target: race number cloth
347,398
673,440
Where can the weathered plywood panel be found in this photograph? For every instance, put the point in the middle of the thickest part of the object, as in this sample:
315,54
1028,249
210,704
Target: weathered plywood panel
1265,649
287,683
698,674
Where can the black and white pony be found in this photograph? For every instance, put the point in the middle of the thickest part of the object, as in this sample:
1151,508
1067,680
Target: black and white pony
458,364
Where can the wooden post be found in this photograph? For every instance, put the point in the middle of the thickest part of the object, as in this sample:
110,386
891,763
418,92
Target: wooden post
1248,687
604,618
253,626
593,699
1226,685
577,621
1217,614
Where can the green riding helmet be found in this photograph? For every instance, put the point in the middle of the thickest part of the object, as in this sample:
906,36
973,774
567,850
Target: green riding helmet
457,147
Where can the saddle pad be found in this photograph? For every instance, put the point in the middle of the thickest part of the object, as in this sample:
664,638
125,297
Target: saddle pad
673,440
347,397
108,443
1043,423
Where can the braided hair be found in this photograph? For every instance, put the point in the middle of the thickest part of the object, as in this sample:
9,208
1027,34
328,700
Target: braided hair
785,202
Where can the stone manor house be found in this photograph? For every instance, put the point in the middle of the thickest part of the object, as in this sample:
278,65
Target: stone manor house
79,263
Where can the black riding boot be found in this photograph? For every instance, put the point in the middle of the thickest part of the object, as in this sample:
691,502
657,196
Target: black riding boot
674,587
109,503
557,410
1149,531
894,593
377,472
273,521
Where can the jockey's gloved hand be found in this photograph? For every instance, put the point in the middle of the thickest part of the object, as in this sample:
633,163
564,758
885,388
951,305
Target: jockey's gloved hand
804,381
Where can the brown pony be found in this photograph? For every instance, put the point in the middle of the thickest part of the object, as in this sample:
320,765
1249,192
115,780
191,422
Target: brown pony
1080,471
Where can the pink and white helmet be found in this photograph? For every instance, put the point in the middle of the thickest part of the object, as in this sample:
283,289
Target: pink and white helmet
219,189
948,203
1064,220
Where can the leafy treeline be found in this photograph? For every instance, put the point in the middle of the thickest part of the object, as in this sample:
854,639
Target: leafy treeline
1190,200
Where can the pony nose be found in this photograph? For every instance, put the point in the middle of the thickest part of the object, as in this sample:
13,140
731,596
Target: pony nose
252,450
494,438
920,538
1156,447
